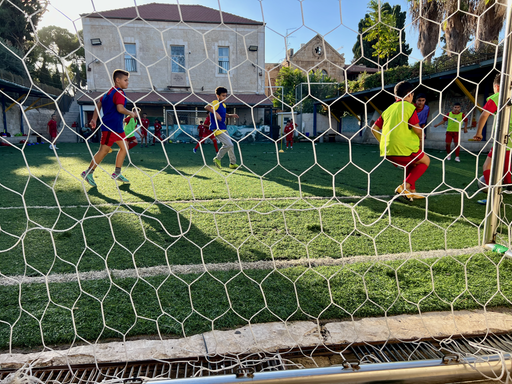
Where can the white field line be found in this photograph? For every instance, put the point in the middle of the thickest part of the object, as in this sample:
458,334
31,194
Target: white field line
164,270
198,201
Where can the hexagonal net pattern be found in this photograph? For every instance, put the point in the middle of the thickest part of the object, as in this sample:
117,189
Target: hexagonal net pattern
350,213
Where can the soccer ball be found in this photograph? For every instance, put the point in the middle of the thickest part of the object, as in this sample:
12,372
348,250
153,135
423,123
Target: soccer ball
481,184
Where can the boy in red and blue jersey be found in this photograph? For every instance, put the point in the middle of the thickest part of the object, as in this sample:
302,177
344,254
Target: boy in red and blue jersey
400,137
218,115
113,104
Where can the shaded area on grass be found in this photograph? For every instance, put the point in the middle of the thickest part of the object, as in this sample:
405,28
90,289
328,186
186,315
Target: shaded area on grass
175,305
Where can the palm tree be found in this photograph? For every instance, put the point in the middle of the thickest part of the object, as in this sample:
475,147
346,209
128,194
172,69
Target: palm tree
482,19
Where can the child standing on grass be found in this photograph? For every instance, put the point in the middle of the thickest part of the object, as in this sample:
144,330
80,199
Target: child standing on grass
288,131
113,104
52,131
204,134
218,116
400,138
453,129
158,131
144,129
491,107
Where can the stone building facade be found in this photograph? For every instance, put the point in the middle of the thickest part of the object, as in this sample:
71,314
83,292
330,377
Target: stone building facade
176,57
164,54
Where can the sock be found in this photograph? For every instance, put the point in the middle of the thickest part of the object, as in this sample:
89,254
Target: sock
215,145
415,174
457,151
118,171
448,146
487,175
132,144
197,146
90,171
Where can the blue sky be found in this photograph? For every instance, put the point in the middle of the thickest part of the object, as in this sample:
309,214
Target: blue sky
335,19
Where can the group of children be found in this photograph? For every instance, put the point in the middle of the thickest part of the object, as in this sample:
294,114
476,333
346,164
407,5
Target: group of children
115,128
399,130
400,134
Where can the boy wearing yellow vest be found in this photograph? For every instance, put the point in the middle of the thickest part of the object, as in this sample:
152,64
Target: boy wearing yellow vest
400,139
491,107
454,119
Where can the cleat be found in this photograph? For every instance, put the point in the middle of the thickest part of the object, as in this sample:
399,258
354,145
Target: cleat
233,166
194,150
217,163
457,159
152,144
408,195
448,158
121,178
88,177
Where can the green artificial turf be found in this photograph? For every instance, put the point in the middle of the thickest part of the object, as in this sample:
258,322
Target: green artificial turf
179,210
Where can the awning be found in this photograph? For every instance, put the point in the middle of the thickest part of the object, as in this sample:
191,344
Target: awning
183,99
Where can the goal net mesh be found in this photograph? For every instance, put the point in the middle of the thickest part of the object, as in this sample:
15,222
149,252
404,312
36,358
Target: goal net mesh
305,249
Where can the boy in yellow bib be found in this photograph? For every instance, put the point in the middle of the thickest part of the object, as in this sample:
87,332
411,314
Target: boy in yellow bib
454,119
218,115
400,137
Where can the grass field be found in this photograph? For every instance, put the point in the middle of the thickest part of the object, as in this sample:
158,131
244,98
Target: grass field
312,203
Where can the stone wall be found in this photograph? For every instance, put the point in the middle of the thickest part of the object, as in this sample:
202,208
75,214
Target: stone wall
36,119
153,41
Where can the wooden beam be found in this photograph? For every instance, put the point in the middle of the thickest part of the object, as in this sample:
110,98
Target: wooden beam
39,106
373,105
350,110
467,93
338,120
31,105
13,104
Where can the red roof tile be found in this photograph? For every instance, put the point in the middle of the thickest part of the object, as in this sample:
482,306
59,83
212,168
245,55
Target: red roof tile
183,99
171,13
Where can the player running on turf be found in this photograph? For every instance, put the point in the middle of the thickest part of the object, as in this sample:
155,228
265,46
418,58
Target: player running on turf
205,133
218,115
113,104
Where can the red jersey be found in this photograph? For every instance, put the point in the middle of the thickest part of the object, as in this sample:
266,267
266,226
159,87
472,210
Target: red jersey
207,121
491,106
52,125
158,127
288,130
145,123
203,130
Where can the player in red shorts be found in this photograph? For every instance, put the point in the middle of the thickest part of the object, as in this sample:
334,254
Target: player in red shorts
288,131
400,137
158,131
52,131
491,107
453,130
205,133
144,129
113,104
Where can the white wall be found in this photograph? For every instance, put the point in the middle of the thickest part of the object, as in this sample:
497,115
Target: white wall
37,119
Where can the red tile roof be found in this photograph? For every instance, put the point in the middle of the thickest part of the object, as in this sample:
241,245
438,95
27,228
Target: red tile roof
171,13
183,99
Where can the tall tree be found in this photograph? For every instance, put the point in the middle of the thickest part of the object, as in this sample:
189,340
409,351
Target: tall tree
302,99
17,17
460,21
60,47
381,38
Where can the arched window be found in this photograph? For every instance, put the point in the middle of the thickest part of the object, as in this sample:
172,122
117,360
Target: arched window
324,74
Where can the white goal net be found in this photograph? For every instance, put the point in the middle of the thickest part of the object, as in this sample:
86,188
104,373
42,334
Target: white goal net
230,189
